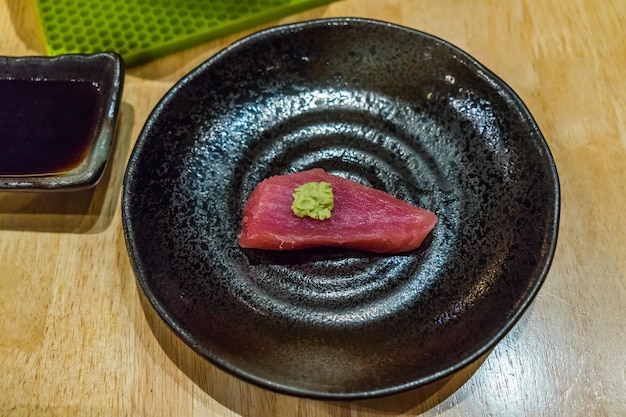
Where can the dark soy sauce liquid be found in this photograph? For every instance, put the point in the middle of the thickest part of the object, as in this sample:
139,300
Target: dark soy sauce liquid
45,126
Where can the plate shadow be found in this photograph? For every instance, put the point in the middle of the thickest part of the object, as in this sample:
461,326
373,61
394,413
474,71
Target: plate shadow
221,386
84,211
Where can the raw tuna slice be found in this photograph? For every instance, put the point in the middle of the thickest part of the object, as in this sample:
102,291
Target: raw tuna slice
363,218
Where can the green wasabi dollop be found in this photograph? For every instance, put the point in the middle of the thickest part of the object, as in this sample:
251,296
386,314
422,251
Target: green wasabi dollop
313,199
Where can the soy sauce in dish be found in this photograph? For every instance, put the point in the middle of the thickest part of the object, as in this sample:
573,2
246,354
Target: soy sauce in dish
45,126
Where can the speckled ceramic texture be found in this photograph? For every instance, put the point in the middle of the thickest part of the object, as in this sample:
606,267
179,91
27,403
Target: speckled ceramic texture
104,70
384,105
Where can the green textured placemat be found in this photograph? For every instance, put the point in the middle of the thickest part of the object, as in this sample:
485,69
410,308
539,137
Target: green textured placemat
142,30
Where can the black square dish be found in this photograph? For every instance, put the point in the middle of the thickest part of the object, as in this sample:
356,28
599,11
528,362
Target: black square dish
58,118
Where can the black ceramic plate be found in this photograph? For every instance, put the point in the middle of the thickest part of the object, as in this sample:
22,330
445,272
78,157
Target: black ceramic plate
384,105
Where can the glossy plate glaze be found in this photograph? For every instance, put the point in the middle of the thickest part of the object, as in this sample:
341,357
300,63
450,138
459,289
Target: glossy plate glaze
381,104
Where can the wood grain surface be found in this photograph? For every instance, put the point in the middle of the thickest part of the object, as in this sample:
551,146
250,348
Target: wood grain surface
77,338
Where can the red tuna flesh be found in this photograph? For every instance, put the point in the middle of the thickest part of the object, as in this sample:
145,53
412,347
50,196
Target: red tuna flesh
363,218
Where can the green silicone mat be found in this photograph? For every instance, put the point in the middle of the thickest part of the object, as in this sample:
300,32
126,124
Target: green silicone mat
141,30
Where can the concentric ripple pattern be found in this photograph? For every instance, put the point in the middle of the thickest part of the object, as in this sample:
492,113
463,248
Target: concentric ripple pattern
365,137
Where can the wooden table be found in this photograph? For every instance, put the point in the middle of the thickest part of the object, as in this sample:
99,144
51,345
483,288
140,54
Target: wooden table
77,339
